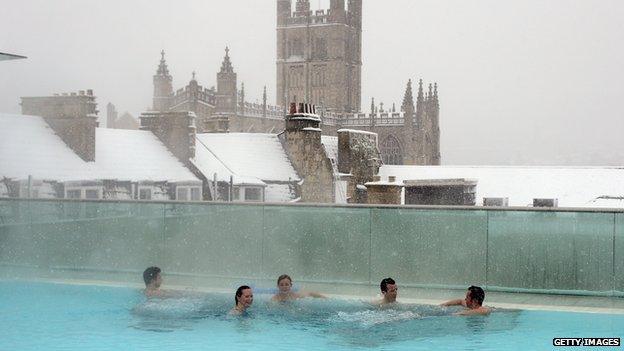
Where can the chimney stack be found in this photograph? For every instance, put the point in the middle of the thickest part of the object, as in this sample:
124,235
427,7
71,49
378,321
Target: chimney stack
175,129
73,118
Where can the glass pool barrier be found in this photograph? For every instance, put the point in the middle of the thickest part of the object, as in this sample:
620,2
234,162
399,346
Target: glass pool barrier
554,251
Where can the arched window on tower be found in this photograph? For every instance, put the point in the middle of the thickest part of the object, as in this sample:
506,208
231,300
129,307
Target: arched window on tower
391,151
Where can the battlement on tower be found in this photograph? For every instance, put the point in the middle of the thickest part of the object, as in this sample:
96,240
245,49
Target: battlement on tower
204,95
262,111
304,16
364,119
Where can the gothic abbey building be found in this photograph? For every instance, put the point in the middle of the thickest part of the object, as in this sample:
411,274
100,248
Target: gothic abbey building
319,61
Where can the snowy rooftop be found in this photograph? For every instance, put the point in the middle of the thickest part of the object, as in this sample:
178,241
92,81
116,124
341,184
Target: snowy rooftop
136,155
244,155
330,143
28,146
573,187
209,164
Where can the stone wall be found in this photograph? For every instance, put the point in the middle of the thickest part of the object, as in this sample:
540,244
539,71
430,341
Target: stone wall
175,129
73,117
302,141
384,194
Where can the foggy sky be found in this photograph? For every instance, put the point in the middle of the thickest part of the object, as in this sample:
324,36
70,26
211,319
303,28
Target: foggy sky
527,82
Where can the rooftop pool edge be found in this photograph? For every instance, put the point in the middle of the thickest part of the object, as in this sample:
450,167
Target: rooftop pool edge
519,301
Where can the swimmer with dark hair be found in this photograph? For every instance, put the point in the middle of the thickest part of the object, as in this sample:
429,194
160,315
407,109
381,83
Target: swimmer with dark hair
473,302
152,276
284,293
389,291
243,300
153,280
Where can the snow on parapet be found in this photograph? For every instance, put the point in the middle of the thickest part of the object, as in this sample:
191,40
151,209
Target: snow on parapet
572,186
356,131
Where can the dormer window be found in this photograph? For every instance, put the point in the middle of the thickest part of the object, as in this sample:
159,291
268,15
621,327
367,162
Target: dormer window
89,193
145,193
188,193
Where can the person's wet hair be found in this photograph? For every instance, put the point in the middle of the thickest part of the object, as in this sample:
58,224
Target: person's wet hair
282,277
384,284
150,274
239,293
477,294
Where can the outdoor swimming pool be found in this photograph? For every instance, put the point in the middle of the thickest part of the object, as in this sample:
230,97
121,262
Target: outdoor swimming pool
38,316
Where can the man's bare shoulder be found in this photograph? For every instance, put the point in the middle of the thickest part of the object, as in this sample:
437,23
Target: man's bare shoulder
483,310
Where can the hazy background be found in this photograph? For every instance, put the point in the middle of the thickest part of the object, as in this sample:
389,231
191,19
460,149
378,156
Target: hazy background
527,82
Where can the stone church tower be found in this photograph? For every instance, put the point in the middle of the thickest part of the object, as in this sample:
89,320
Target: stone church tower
319,55
226,87
319,61
163,87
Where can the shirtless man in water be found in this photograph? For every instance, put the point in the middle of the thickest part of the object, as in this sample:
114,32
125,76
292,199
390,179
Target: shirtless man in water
284,285
389,290
473,302
153,281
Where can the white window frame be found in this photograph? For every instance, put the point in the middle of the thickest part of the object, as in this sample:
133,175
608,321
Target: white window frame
198,193
98,194
144,188
67,191
186,191
236,193
244,193
4,190
23,188
189,192
83,191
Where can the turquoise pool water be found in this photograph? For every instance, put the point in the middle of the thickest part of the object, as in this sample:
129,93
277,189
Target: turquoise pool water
42,316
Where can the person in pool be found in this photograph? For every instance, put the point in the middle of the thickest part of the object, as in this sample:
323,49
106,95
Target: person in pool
389,291
153,280
242,299
284,293
473,302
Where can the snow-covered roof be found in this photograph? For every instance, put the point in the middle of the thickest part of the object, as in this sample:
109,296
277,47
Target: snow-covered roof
330,143
136,155
573,187
608,202
209,164
244,155
28,146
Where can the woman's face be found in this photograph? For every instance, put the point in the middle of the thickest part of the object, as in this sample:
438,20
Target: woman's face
246,298
284,285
